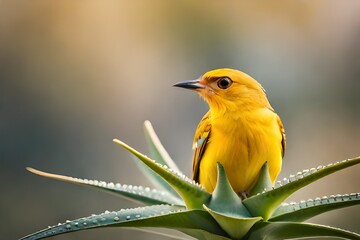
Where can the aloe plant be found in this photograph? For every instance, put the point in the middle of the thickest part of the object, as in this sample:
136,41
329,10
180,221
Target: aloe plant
184,205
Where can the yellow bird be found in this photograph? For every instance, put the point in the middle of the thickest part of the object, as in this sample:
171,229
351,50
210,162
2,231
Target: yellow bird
241,130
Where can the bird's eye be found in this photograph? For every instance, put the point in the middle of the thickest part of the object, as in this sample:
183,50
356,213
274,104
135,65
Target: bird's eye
224,83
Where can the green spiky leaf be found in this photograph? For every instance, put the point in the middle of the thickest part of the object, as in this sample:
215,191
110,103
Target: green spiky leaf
299,212
224,199
140,194
234,226
157,150
194,222
193,195
160,155
265,204
291,230
263,182
226,208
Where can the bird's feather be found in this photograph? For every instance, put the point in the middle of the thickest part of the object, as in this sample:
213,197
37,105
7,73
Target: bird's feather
283,140
201,138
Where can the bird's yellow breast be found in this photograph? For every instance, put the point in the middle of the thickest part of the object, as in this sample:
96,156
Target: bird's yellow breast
242,144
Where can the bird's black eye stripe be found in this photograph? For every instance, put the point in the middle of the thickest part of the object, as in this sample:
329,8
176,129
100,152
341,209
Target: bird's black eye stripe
224,82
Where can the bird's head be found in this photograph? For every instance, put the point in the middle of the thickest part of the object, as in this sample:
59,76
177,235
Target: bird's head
228,89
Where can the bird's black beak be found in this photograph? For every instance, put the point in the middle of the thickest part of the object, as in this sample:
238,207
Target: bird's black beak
191,84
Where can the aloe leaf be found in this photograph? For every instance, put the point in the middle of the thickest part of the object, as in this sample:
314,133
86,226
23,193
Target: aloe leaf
156,179
226,208
157,150
135,193
291,230
263,182
160,155
203,235
234,226
224,200
192,193
162,216
299,212
264,204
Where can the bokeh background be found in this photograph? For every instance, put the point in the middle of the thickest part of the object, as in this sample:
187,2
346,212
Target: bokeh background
76,74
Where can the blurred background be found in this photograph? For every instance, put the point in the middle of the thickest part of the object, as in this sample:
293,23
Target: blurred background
76,74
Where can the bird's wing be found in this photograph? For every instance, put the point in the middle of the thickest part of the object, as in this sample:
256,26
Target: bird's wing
200,140
282,130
